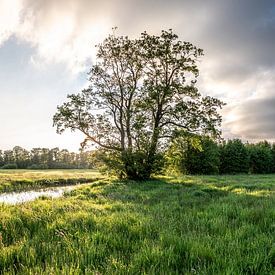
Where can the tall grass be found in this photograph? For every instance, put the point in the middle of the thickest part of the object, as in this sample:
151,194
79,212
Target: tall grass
188,225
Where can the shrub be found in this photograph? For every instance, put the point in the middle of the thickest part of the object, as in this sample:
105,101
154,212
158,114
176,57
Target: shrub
38,166
260,158
234,157
10,166
204,159
193,154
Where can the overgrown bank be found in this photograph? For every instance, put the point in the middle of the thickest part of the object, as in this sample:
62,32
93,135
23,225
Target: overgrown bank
18,180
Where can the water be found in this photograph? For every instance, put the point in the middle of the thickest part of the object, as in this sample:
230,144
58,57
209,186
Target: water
21,197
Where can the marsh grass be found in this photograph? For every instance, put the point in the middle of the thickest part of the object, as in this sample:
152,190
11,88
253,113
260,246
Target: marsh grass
187,225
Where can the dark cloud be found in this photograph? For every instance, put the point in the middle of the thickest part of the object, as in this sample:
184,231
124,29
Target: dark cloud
238,37
240,40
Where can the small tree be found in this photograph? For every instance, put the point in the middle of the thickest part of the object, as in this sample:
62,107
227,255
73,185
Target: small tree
204,159
273,158
193,154
260,157
234,157
141,91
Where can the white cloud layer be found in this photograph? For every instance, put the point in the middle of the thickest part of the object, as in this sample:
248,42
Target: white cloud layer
9,18
238,38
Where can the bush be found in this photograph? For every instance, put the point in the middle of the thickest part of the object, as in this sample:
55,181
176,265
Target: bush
38,166
10,166
234,157
204,159
260,158
192,154
131,165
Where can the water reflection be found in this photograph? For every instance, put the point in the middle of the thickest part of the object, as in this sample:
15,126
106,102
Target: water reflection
20,197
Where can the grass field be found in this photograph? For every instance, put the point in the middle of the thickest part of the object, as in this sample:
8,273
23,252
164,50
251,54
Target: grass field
16,180
188,225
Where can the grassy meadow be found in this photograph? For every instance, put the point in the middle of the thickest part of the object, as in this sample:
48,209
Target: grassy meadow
183,225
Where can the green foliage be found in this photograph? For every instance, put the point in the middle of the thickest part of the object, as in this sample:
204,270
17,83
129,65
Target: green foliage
186,225
234,157
173,158
131,164
9,166
111,163
273,157
1,158
135,165
193,154
260,158
141,91
21,157
203,160
38,166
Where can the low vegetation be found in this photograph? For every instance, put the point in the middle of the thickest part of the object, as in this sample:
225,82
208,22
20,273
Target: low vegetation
184,225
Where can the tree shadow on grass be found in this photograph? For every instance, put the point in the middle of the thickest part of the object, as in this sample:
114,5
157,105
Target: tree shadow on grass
243,181
189,193
160,191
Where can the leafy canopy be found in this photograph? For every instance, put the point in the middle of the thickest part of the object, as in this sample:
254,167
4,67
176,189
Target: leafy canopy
141,92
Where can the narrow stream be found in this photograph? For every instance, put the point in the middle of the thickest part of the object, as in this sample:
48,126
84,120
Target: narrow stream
24,196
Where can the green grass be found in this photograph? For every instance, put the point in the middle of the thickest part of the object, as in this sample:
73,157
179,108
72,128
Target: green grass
18,180
188,225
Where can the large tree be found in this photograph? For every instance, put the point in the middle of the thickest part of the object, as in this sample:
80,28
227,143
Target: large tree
141,91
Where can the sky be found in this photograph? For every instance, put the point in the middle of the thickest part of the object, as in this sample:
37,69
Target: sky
47,48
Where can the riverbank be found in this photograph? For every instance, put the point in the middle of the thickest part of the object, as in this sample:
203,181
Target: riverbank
24,180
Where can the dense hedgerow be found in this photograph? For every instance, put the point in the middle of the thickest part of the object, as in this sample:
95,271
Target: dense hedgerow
202,155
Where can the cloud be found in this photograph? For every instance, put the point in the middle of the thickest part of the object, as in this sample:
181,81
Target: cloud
9,18
59,31
238,38
253,118
232,33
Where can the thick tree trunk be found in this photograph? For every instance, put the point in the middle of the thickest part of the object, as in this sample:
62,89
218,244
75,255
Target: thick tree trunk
151,157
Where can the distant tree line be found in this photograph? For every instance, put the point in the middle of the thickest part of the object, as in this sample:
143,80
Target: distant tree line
45,158
202,155
187,155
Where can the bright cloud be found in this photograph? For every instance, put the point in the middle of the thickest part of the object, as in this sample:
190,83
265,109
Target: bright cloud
9,18
54,29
